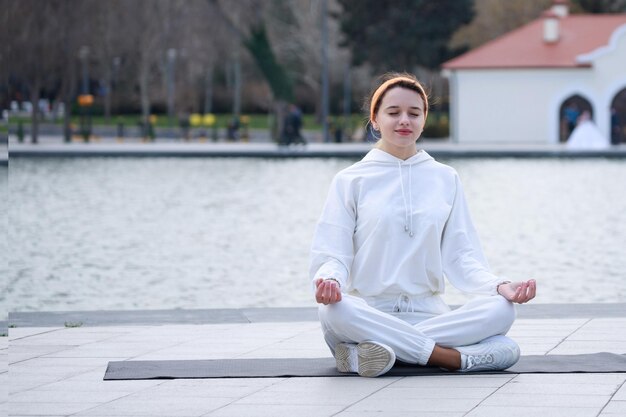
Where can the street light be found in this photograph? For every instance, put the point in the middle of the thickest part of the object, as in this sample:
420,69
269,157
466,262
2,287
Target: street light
85,100
171,59
83,55
325,110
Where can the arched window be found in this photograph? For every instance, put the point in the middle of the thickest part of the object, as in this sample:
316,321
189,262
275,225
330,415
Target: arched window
618,117
570,111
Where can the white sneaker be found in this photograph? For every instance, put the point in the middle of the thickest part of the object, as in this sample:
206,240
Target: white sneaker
369,359
495,353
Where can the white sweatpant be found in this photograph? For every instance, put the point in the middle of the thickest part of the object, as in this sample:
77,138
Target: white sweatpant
413,327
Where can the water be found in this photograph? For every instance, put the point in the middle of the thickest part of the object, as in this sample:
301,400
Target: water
108,233
4,259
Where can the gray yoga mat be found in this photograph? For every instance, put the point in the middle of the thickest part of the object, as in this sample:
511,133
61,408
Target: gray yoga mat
320,367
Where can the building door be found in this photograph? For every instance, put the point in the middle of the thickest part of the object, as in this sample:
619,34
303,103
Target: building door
571,109
618,117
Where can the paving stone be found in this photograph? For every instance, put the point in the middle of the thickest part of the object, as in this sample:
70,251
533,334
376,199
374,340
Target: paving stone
62,337
47,409
19,332
453,381
105,350
508,411
319,395
615,407
46,396
201,388
44,362
140,406
571,378
336,385
620,394
244,410
542,400
98,385
558,389
572,347
386,401
392,393
21,353
383,414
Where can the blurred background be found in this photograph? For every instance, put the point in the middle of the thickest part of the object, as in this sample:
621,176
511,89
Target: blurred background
109,233
153,64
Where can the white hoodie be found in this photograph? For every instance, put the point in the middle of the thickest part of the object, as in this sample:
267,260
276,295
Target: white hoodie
392,227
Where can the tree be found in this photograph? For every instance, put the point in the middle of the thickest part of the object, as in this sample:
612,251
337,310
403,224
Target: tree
602,6
35,48
296,37
401,35
248,25
495,17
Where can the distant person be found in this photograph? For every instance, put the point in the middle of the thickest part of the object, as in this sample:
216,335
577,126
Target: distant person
616,127
184,124
338,132
586,135
232,130
395,225
292,125
571,114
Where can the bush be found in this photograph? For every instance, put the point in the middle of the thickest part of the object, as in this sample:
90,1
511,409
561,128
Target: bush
437,126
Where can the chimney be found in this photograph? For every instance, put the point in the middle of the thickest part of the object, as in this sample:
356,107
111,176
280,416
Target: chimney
560,8
550,27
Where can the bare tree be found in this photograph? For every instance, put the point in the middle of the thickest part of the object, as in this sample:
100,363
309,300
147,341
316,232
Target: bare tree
296,35
495,18
36,48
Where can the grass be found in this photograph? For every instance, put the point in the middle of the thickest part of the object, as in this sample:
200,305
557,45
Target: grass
256,121
71,324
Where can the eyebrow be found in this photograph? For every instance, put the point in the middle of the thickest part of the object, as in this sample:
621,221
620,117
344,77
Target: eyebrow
397,107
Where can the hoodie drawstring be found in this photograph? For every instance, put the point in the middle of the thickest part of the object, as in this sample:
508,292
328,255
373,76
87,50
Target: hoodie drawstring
403,298
408,217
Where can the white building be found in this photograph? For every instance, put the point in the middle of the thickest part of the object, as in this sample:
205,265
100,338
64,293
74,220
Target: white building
516,88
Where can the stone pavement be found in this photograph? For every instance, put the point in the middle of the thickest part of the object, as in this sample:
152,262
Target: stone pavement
58,371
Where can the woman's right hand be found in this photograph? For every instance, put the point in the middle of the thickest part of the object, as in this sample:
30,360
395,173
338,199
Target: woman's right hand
327,292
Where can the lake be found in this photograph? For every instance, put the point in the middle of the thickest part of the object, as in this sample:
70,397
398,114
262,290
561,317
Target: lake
164,233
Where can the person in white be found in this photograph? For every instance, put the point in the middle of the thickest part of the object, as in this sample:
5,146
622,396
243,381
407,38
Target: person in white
586,135
393,226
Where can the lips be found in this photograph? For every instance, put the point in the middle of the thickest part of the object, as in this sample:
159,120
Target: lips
404,131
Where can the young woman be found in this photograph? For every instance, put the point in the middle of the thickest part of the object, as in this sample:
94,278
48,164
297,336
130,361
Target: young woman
393,226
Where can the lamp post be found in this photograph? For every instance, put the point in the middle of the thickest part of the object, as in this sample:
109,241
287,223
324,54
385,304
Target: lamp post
171,60
83,54
324,29
85,100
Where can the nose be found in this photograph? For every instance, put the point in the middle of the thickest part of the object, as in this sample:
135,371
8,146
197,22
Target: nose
404,119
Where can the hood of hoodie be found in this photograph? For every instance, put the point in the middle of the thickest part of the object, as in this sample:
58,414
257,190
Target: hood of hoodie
381,157
378,155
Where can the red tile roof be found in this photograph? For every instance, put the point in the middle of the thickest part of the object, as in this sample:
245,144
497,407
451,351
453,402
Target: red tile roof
525,48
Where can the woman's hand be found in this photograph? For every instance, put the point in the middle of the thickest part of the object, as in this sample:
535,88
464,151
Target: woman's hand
327,292
518,292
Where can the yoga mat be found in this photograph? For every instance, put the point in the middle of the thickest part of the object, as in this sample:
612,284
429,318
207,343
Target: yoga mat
325,367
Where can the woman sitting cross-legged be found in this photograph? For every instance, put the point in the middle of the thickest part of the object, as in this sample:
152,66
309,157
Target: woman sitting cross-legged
393,226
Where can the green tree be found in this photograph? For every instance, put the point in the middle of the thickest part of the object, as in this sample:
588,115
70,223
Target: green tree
602,6
402,34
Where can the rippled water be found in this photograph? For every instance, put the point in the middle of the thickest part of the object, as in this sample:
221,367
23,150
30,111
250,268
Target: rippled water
4,258
124,233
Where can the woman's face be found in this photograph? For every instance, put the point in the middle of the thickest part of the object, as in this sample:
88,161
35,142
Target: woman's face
400,119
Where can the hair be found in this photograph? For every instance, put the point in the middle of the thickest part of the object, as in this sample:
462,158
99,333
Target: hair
392,80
